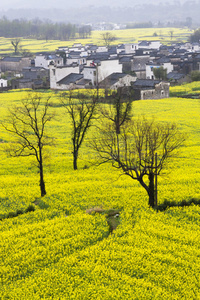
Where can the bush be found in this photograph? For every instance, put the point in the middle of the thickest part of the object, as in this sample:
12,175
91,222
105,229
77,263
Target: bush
195,75
30,208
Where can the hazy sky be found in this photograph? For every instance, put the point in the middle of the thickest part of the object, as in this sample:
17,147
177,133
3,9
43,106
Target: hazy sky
46,4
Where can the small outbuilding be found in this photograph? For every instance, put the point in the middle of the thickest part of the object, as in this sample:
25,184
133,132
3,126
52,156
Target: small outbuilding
150,89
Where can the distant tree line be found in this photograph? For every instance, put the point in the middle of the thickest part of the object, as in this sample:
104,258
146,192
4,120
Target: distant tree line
139,25
42,29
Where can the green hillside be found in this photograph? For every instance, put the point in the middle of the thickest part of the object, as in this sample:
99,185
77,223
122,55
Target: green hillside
59,251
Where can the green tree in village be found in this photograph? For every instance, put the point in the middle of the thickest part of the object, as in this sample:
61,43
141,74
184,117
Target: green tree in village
195,75
160,73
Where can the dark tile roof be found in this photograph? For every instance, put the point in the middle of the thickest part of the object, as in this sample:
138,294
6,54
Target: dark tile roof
175,76
93,47
144,43
51,56
84,81
145,83
122,46
74,53
112,78
180,51
12,59
71,78
99,56
112,50
22,80
163,60
140,52
125,59
33,69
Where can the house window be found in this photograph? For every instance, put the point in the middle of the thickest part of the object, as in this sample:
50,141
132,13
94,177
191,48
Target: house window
95,73
54,71
162,93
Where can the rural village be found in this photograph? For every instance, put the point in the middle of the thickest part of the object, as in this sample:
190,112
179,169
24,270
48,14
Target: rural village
107,67
100,143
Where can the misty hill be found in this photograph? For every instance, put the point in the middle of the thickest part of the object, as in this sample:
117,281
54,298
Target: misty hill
155,12
48,4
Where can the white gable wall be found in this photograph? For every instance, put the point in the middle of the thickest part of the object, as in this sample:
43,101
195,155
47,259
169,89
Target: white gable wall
56,74
131,48
3,83
42,61
103,70
108,67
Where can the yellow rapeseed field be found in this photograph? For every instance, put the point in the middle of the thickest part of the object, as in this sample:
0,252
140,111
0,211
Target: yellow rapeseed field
122,36
59,251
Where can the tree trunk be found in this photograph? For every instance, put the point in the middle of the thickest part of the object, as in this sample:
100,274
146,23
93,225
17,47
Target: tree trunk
151,191
117,127
42,184
75,155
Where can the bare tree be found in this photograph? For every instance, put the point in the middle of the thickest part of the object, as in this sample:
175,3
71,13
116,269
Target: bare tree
108,38
27,123
16,43
118,111
134,151
171,32
82,112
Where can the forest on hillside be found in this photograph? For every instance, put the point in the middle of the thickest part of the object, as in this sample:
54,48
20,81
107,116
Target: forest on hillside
39,29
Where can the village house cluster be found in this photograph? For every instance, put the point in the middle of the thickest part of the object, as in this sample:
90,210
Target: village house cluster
91,66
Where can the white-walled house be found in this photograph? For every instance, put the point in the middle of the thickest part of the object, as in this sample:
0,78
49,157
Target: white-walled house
90,73
150,66
101,49
194,47
98,71
120,48
3,83
76,57
117,80
44,60
150,45
131,48
57,73
77,47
